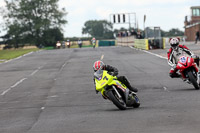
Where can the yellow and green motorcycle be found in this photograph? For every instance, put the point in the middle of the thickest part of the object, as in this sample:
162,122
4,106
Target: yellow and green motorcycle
115,91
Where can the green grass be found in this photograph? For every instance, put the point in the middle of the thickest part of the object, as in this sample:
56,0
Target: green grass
73,46
48,48
10,54
83,46
87,46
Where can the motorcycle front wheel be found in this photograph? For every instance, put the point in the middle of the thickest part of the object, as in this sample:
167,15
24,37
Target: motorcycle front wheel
193,80
116,101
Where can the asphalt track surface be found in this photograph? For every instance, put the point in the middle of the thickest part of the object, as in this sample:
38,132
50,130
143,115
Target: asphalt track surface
53,92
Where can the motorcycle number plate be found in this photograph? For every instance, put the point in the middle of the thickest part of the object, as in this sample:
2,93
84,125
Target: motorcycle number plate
183,60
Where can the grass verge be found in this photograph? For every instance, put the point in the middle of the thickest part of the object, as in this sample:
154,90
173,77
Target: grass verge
83,46
10,54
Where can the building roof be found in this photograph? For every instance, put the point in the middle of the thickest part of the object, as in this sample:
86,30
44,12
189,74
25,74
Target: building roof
191,25
192,7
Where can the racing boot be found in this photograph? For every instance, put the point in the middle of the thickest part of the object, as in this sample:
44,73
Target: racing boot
186,80
125,81
131,88
134,89
174,75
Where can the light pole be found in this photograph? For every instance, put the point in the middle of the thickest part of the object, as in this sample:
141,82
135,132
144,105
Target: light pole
144,25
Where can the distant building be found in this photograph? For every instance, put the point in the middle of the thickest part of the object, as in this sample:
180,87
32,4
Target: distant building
193,25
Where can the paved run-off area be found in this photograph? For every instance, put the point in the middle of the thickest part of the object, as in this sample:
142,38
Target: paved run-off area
53,92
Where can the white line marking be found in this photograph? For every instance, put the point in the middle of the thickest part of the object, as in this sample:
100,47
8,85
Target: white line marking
28,54
42,108
53,96
34,72
18,58
165,88
4,92
18,82
63,66
149,53
102,56
155,54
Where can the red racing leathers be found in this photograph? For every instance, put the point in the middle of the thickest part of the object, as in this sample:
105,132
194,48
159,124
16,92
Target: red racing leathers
173,56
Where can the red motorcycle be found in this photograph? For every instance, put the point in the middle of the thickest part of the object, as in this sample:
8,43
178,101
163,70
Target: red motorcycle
188,70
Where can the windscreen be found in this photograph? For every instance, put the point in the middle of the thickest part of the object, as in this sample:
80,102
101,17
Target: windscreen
98,74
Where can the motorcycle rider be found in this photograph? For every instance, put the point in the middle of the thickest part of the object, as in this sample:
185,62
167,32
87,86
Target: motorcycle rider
174,53
99,65
93,42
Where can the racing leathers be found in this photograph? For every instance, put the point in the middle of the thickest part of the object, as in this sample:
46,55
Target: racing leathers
173,57
113,71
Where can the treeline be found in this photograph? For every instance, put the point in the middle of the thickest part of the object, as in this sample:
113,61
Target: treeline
37,22
172,32
40,22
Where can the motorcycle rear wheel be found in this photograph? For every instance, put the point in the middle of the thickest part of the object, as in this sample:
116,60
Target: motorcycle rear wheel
193,80
114,98
137,102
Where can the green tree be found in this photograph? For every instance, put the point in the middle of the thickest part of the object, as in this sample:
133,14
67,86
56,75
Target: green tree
172,32
99,29
27,21
175,32
52,36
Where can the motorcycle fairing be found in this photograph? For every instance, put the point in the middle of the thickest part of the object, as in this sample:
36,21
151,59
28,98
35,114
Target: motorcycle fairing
184,63
107,80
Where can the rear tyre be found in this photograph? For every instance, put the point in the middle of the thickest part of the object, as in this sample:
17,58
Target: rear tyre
116,101
137,102
193,80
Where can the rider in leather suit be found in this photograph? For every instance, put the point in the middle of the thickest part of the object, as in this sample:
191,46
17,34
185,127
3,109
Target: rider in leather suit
175,52
100,65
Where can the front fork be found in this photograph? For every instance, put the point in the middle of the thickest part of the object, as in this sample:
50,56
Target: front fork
126,93
117,92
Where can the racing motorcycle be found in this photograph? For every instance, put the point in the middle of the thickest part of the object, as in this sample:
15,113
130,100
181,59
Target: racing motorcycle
115,91
188,70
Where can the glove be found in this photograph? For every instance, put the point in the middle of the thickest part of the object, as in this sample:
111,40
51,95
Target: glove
174,66
110,73
115,73
196,59
194,56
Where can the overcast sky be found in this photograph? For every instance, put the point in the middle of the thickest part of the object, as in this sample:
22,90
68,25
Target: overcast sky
164,13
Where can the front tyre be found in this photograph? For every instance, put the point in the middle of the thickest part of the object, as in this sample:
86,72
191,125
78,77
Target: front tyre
193,80
116,101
